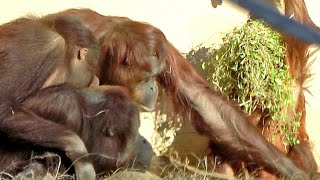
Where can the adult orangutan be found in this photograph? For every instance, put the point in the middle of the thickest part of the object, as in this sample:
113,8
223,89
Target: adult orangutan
45,65
128,47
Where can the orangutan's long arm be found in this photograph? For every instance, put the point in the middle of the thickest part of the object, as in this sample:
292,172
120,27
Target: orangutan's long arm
232,132
214,116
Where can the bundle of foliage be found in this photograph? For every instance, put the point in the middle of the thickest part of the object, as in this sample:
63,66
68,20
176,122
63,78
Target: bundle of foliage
249,68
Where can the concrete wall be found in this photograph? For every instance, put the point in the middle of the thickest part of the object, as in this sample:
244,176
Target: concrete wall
186,23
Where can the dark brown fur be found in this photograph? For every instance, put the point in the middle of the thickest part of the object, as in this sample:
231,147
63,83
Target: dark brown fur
104,118
31,51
